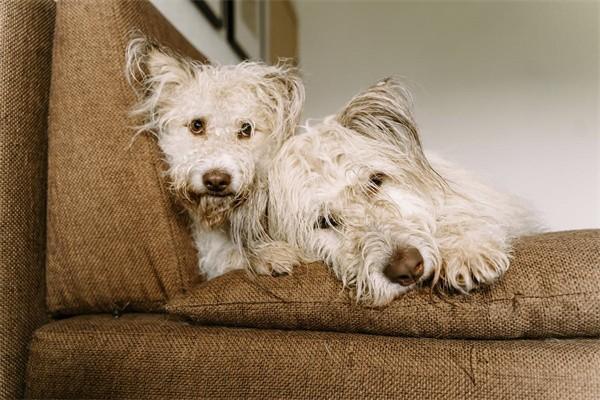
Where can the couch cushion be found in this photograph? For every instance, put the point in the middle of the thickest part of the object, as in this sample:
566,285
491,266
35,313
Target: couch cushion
550,290
149,356
25,57
115,237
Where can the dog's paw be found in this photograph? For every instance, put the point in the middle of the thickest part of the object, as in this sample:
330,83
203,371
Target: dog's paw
276,258
464,272
273,267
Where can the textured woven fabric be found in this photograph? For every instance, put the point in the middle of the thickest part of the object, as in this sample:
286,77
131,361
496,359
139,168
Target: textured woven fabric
25,57
116,239
550,290
145,356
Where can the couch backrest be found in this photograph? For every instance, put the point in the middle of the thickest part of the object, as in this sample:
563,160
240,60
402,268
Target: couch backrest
116,239
25,56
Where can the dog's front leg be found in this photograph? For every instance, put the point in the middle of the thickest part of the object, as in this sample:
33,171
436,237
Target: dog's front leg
217,254
265,256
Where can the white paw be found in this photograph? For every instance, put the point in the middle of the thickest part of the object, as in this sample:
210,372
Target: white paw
275,258
465,272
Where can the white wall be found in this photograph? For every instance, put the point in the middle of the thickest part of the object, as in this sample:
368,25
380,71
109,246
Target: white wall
197,30
507,89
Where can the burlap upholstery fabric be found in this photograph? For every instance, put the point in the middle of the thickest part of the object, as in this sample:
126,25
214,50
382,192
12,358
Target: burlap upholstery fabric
116,238
25,58
551,290
149,356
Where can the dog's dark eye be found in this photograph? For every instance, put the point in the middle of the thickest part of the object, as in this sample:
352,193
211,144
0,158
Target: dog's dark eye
326,222
246,130
197,126
376,180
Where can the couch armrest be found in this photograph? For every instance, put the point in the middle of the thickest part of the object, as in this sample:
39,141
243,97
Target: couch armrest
26,34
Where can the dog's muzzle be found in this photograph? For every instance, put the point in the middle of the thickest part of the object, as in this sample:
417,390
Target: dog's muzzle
405,267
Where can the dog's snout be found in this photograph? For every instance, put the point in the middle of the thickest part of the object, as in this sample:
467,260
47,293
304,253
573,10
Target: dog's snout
216,180
405,267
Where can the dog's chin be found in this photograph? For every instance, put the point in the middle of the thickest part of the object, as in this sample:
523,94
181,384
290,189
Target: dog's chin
211,209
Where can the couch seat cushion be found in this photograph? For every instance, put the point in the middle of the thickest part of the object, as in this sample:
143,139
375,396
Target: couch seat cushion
550,290
150,356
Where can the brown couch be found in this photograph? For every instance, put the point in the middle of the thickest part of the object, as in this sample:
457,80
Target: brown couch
99,297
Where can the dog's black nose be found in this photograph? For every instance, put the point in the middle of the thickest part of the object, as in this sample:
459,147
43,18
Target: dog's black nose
405,267
216,180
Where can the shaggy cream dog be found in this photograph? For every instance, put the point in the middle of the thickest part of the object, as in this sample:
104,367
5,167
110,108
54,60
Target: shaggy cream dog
219,128
358,192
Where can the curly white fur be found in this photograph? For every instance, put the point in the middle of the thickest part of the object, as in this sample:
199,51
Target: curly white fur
174,91
462,228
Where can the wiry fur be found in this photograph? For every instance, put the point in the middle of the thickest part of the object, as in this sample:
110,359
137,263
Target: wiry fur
229,231
462,228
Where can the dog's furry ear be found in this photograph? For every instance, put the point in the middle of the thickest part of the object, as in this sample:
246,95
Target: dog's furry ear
152,71
285,93
382,112
148,64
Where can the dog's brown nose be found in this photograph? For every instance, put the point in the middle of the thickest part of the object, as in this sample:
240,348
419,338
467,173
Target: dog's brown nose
405,267
216,180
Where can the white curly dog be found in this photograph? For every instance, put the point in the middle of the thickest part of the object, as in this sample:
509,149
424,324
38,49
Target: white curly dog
219,128
357,191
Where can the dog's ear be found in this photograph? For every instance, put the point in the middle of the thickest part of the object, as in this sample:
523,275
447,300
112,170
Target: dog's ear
284,93
382,112
148,65
153,71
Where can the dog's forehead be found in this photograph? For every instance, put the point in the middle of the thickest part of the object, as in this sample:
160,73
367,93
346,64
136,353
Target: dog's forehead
325,163
339,155
333,164
223,93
